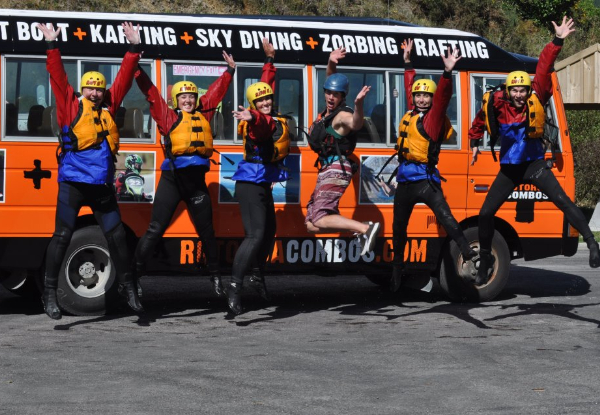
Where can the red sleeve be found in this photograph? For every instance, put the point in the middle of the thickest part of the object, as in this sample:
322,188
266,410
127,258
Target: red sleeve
477,128
262,127
215,94
268,74
542,83
67,103
435,118
116,93
409,79
164,116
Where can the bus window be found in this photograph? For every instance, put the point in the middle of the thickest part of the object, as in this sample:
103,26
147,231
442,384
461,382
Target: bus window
289,97
203,75
28,101
374,104
133,117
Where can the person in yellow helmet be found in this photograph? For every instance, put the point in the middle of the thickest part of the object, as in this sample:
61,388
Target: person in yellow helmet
88,141
188,147
421,133
266,143
507,117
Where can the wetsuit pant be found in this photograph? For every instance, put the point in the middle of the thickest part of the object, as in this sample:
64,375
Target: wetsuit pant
407,195
187,184
101,199
258,216
535,172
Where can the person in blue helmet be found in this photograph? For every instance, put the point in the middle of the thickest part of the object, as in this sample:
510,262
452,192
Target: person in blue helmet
333,137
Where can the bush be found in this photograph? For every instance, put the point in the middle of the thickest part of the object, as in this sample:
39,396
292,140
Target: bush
584,129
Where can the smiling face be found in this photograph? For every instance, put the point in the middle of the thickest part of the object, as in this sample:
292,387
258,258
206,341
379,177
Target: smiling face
422,100
518,95
264,105
333,99
96,95
187,102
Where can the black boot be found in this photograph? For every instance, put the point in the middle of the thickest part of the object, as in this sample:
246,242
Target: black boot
215,278
257,281
396,280
594,252
51,304
234,298
128,290
469,254
486,264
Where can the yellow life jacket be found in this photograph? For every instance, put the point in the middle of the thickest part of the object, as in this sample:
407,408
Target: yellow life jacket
90,127
413,142
268,151
190,134
536,116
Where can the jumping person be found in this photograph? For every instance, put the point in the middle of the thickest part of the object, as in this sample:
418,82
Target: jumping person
89,140
522,151
266,144
420,135
188,148
333,137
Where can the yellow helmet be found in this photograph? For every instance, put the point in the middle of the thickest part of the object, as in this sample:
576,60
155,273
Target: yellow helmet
518,78
183,87
256,91
93,79
424,85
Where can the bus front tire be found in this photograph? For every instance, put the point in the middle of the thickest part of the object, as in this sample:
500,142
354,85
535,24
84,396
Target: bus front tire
86,283
457,278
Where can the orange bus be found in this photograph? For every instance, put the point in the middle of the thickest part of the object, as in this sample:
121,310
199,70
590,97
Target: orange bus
178,47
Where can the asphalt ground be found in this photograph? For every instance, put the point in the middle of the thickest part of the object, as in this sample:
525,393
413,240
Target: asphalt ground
339,345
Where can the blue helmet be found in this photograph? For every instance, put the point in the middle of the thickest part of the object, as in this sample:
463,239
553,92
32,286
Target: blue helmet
337,82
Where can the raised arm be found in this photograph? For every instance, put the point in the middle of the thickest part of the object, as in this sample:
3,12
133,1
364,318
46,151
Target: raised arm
124,79
268,70
217,90
334,59
542,83
409,72
64,94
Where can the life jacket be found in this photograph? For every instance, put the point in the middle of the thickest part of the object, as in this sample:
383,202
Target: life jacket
324,141
190,134
269,150
535,122
414,144
89,128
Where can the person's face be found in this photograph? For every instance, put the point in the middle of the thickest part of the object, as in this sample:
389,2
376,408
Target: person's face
422,100
333,99
518,95
96,95
264,105
186,102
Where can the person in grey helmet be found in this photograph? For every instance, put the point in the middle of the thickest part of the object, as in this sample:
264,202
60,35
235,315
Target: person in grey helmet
333,137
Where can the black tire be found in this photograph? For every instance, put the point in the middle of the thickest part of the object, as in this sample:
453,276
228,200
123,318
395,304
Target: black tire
86,282
23,282
456,277
383,280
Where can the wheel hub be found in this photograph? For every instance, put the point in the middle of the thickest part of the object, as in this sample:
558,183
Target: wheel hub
87,274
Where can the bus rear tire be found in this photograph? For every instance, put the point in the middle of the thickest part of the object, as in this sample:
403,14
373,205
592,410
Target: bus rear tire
456,278
23,282
86,283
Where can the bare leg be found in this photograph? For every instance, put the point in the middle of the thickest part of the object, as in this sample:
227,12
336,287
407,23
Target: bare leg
338,223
